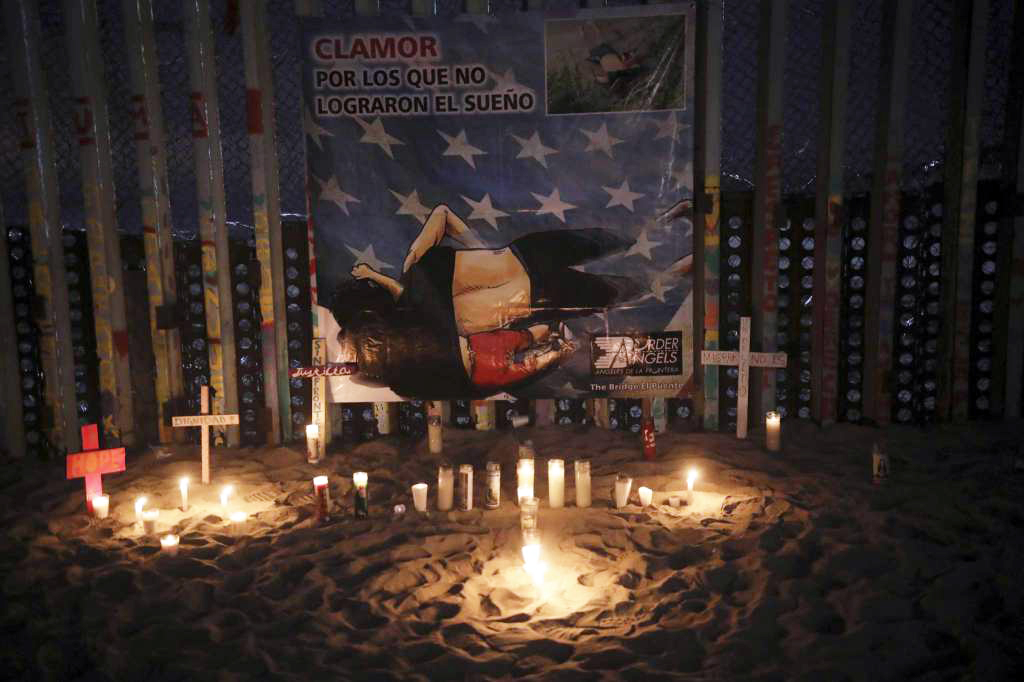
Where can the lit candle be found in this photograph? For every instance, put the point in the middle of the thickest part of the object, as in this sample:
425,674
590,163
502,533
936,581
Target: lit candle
772,431
524,474
101,506
239,522
582,482
435,437
169,544
362,502
140,504
623,484
149,519
646,496
556,483
691,478
445,487
183,487
532,564
492,493
225,494
521,494
312,443
419,496
520,420
466,487
675,501
321,499
528,513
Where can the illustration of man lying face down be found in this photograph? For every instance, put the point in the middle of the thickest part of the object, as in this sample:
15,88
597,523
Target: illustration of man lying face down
473,321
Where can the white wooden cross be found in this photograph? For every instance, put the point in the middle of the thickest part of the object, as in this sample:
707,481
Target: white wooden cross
744,359
204,421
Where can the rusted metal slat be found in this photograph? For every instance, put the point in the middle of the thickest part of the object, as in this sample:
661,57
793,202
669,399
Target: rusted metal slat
886,200
768,194
969,24
828,248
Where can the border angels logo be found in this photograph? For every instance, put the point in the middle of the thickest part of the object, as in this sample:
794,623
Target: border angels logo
646,354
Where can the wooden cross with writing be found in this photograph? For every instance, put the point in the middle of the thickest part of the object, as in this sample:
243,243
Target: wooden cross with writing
743,359
92,463
204,421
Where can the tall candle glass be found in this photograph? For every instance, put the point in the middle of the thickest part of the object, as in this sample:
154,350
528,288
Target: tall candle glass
321,499
362,501
445,487
622,485
772,431
524,474
582,482
419,496
528,507
556,483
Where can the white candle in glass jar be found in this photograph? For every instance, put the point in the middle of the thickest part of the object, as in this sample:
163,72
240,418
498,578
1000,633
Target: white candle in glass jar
556,483
524,475
582,482
140,504
646,496
419,496
445,487
239,522
169,544
772,431
183,488
312,443
101,506
149,519
622,487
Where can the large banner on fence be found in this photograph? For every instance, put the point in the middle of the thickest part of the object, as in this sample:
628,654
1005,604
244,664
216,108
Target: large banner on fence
502,204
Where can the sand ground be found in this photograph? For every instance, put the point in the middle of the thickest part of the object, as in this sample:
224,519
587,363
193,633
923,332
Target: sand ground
786,567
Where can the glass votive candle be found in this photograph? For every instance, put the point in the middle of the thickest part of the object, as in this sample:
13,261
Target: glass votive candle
582,467
321,499
556,483
646,496
149,519
239,522
772,431
362,501
623,484
419,496
169,544
524,476
101,506
528,507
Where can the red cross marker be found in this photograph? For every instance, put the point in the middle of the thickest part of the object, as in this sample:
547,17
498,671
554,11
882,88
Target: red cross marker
92,463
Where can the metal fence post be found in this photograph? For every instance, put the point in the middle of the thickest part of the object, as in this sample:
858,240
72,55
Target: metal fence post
33,114
220,327
92,127
267,217
828,247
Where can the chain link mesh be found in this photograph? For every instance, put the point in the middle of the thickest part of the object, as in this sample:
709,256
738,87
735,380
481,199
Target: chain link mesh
739,94
801,96
862,95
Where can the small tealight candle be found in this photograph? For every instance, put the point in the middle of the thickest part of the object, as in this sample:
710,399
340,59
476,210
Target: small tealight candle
419,496
169,544
772,431
312,443
362,502
149,519
140,504
675,501
321,499
556,483
239,521
646,496
225,495
101,506
183,487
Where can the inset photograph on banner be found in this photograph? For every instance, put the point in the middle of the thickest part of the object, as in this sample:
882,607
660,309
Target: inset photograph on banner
616,64
469,244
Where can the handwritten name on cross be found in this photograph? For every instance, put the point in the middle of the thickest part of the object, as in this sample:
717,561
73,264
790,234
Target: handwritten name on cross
743,359
92,463
204,421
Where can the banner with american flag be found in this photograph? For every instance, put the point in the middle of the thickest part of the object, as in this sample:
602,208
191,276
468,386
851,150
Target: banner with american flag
502,204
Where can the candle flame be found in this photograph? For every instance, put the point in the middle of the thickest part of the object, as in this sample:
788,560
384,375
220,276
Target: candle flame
532,564
225,493
691,476
319,481
359,479
183,484
169,540
140,504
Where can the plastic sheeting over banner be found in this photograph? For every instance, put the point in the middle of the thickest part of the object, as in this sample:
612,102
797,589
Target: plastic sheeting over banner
502,205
